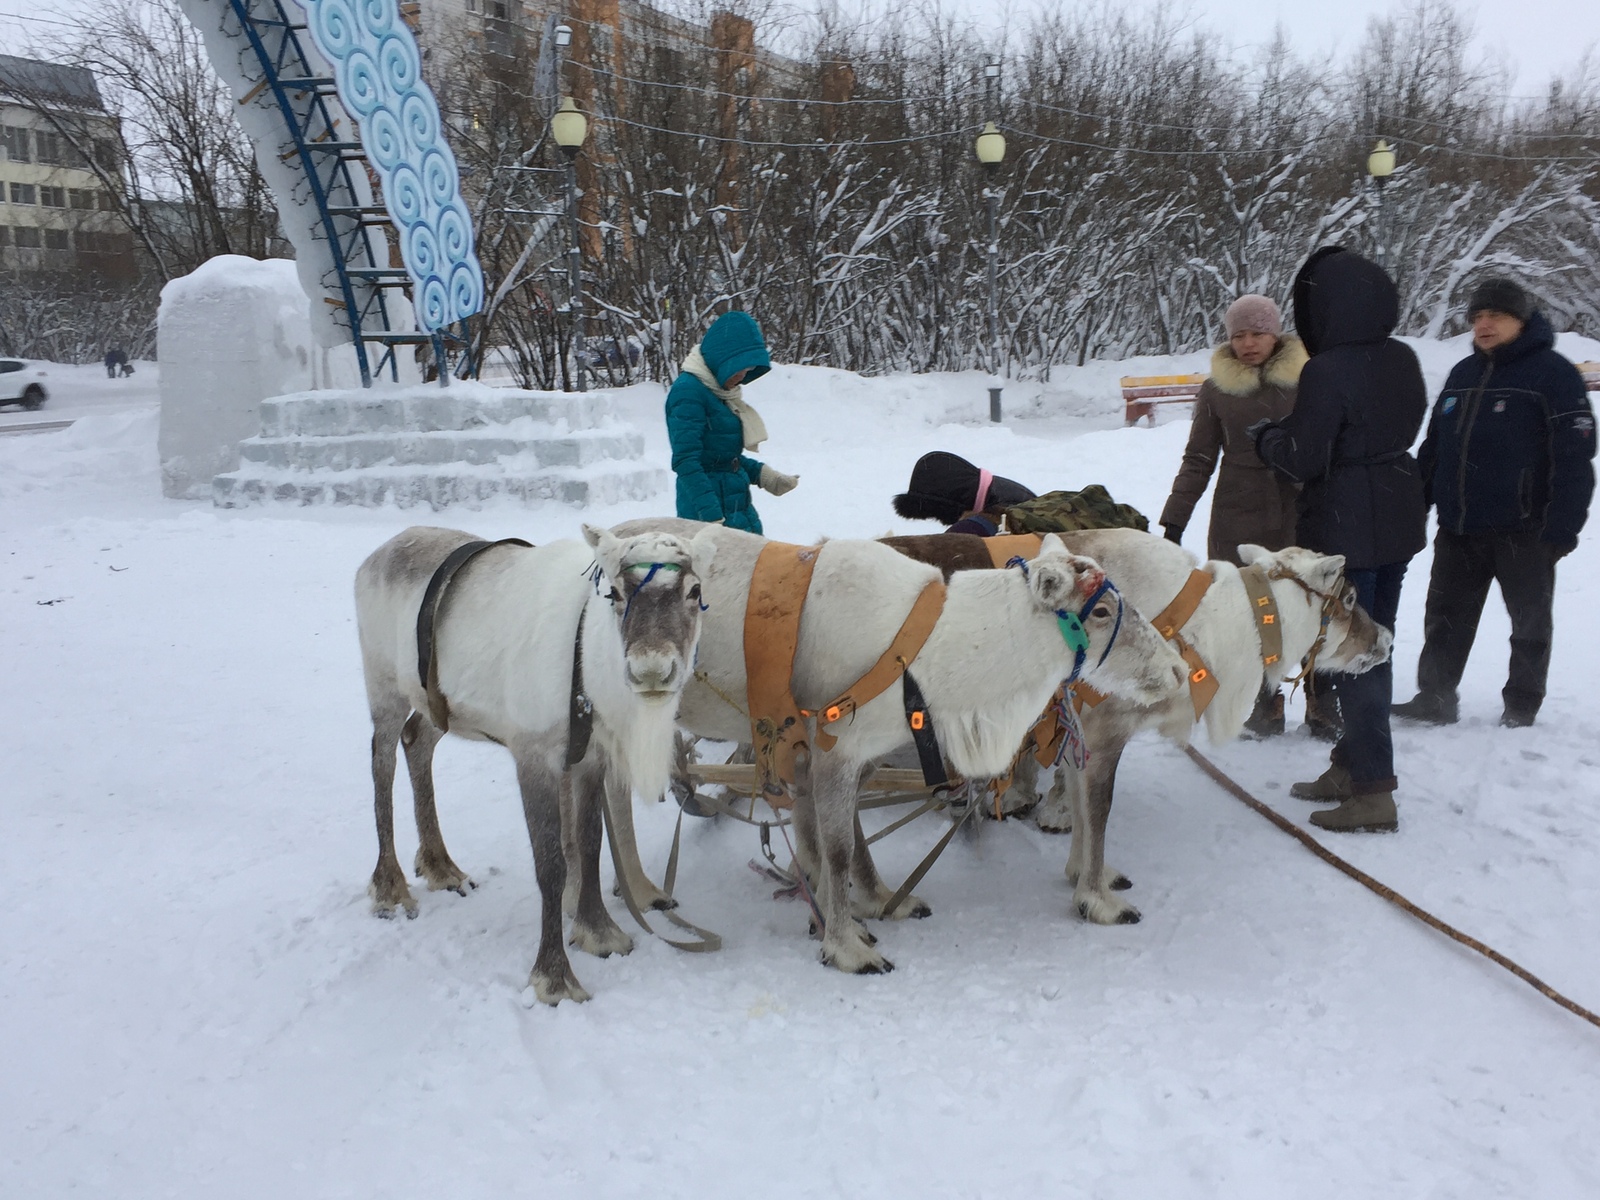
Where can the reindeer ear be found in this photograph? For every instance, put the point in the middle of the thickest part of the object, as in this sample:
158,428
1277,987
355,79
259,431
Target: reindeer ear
607,548
1052,583
1326,571
1250,553
702,550
1052,541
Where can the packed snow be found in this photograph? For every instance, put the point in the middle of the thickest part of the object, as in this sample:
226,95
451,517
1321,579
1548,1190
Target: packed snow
197,1000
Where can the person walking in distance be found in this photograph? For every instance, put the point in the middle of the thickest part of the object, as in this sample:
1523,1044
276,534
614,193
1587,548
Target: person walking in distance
1253,377
1508,464
1360,406
709,423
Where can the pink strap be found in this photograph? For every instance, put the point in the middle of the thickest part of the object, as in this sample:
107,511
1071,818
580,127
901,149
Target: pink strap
985,478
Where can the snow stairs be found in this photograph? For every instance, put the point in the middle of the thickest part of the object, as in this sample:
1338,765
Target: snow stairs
462,445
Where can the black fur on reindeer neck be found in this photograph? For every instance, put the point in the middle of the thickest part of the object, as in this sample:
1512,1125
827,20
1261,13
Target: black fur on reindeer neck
944,487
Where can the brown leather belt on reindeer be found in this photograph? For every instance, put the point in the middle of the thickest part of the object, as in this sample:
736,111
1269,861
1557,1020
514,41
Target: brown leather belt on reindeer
778,725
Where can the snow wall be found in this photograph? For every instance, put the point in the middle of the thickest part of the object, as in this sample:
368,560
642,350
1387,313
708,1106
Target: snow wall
232,333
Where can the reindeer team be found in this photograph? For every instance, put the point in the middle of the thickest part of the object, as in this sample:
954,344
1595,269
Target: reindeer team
584,659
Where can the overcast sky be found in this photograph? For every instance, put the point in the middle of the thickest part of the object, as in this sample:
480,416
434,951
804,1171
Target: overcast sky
1540,37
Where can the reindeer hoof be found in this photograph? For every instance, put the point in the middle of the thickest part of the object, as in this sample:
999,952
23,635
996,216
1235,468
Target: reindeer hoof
600,941
1102,909
442,874
1120,883
389,894
1131,917
553,991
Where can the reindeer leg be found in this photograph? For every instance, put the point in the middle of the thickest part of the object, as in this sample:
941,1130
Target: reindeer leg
552,979
571,848
1054,814
433,862
1091,897
871,896
845,942
1023,794
388,887
593,930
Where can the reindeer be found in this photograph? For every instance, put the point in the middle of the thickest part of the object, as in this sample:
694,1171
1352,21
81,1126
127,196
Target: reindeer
1316,611
505,636
993,659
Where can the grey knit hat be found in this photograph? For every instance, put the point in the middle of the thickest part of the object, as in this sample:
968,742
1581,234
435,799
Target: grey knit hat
1499,294
1257,314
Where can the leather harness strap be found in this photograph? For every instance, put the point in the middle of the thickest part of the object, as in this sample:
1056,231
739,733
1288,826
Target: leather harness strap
891,664
1171,619
778,587
428,618
1265,610
1006,546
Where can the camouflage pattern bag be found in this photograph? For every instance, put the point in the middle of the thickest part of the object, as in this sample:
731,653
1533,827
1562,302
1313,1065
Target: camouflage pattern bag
1068,512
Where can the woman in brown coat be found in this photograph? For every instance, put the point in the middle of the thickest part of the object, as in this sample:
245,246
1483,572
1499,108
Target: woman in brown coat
1254,375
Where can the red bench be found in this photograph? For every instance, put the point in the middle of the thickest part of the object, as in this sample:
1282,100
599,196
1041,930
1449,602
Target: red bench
1141,394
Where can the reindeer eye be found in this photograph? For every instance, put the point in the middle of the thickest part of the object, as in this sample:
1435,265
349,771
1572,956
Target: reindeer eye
1101,612
694,593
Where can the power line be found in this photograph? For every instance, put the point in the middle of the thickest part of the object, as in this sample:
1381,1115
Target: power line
754,143
707,90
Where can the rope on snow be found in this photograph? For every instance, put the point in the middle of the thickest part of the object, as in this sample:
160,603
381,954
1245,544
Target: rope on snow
1388,893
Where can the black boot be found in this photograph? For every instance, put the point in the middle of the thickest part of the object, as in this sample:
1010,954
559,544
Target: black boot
1323,721
1429,708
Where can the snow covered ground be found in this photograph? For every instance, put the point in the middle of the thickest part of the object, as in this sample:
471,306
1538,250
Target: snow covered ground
196,1001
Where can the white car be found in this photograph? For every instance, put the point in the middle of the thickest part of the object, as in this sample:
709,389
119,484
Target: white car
21,382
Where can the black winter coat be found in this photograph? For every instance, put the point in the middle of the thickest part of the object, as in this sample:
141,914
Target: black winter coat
1360,407
1511,442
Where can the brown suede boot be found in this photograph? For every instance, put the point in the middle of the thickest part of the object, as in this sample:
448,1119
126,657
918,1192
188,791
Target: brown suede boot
1332,784
1372,813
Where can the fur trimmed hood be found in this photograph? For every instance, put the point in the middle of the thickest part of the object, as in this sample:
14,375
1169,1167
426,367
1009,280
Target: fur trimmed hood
1282,369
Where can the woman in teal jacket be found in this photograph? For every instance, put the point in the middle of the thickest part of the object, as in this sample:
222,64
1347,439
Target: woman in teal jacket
709,425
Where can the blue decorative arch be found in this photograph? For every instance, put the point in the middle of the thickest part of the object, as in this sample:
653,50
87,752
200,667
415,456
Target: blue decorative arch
378,76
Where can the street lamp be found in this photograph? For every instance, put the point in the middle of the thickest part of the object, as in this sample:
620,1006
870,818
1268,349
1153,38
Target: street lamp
991,150
1380,165
569,127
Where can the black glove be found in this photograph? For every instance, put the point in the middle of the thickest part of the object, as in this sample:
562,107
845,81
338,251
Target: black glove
1253,432
1173,534
1560,550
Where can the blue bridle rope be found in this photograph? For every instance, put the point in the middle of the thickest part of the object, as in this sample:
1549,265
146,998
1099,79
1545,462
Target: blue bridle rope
597,573
1071,623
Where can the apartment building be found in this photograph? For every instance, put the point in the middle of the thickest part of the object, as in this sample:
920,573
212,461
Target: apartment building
57,213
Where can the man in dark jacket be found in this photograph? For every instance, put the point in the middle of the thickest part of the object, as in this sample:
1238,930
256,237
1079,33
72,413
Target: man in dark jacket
1360,406
1508,463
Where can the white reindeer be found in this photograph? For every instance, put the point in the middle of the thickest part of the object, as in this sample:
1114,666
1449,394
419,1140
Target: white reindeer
992,661
505,635
1150,571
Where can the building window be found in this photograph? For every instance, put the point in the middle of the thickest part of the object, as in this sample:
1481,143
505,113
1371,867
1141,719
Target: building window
15,140
472,6
47,146
55,239
5,240
83,198
23,193
93,242
25,238
53,197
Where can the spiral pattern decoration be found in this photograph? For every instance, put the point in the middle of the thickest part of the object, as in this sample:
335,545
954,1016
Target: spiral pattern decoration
378,72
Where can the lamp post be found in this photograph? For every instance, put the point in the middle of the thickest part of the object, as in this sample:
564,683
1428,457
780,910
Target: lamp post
1380,165
991,149
570,127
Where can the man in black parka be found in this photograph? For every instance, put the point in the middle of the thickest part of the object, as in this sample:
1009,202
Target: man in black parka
1360,406
1508,461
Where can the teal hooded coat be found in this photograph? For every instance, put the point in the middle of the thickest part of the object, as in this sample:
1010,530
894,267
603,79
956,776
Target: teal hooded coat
714,474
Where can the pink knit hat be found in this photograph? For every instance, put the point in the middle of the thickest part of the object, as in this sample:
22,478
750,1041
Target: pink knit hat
1254,313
